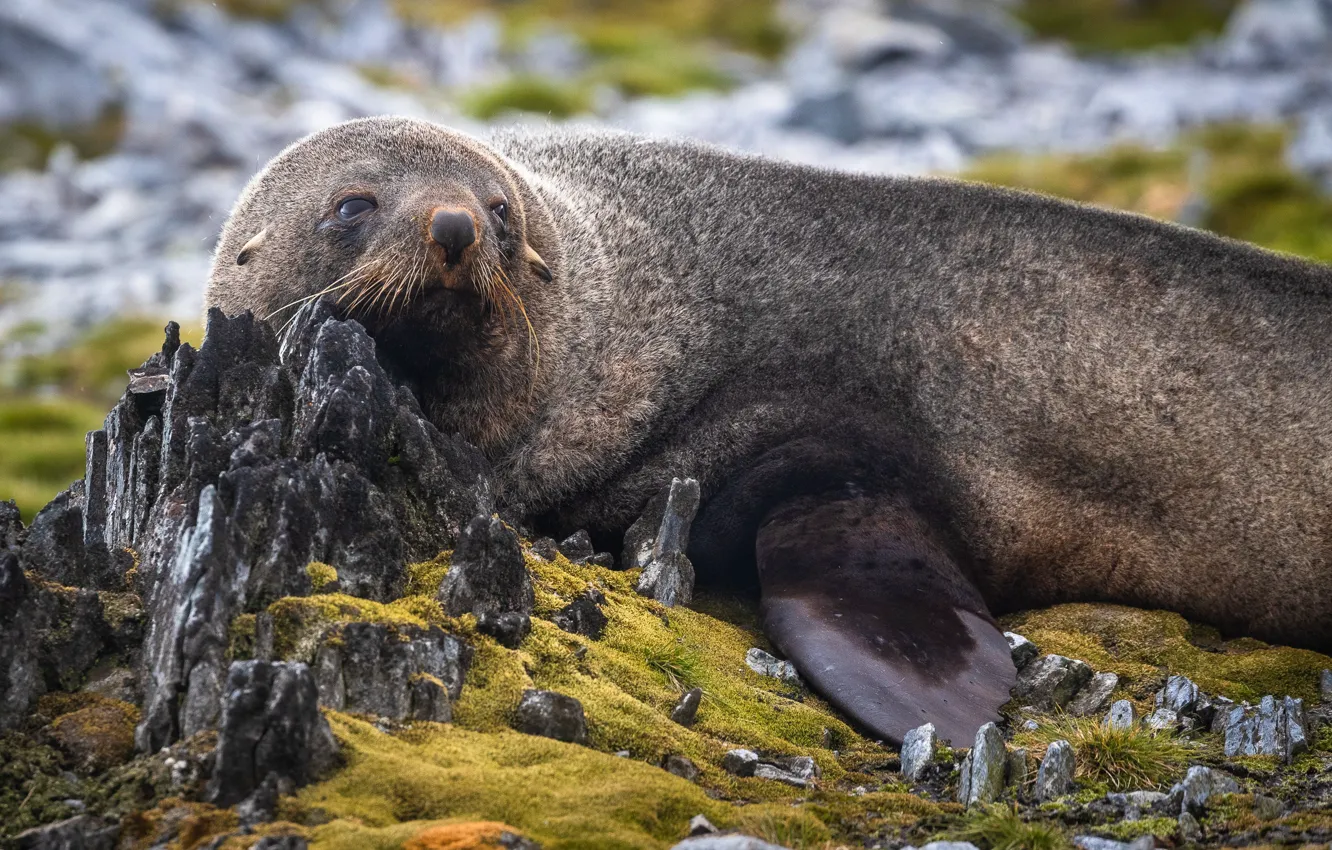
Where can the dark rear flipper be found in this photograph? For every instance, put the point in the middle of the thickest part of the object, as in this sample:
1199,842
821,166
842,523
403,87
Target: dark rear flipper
878,618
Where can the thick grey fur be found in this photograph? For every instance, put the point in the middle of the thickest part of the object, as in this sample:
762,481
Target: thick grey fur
1088,404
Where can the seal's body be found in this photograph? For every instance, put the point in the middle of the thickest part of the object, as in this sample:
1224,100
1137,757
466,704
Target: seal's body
912,403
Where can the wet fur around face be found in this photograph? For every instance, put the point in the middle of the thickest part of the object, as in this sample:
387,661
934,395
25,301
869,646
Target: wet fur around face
1085,404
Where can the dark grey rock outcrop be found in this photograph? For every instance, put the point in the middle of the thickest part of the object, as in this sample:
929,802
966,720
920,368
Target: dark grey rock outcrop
1055,777
1272,728
398,672
583,616
232,468
1051,681
271,724
489,578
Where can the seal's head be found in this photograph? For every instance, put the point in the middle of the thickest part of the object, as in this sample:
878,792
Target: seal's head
426,236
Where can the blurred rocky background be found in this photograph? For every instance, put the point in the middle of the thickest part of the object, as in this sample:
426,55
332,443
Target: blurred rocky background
127,128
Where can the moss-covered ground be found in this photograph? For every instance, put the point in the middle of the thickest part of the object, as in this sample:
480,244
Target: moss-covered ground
1124,25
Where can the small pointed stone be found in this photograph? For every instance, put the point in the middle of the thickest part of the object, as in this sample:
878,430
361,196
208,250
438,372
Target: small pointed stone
918,751
982,779
1120,715
1093,698
1055,777
1023,650
686,710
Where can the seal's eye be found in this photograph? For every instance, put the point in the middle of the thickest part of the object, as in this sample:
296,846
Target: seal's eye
501,211
355,207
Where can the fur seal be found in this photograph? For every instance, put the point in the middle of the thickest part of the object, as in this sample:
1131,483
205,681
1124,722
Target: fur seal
912,404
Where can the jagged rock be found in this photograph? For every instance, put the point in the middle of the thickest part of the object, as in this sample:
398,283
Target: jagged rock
1055,777
781,773
1162,719
1051,681
1190,831
544,548
583,616
686,710
50,636
657,542
1093,698
1272,729
766,664
551,715
396,672
1201,784
1024,651
680,766
83,832
53,546
982,775
1325,686
1180,695
270,724
252,467
725,842
1120,715
700,825
577,546
11,525
918,751
488,575
740,762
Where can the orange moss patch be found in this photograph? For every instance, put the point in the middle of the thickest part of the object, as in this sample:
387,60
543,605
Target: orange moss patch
98,736
475,835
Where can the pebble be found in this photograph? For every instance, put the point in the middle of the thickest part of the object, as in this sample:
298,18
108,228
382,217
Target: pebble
686,710
766,664
1120,715
740,762
1190,831
680,766
1201,784
551,715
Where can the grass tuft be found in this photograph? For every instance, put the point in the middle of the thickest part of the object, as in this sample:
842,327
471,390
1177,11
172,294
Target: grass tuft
1129,759
1000,827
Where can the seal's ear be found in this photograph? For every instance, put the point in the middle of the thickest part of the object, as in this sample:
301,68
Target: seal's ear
538,265
248,249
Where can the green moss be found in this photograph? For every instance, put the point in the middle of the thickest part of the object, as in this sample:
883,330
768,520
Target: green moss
784,826
99,736
321,575
563,795
423,579
1142,646
1000,827
1161,827
528,94
1115,759
1236,176
299,622
1113,25
29,144
241,637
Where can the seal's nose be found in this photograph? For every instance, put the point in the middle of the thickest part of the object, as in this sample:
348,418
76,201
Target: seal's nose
454,230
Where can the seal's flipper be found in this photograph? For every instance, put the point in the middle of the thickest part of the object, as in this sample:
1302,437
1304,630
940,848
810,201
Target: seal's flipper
879,619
